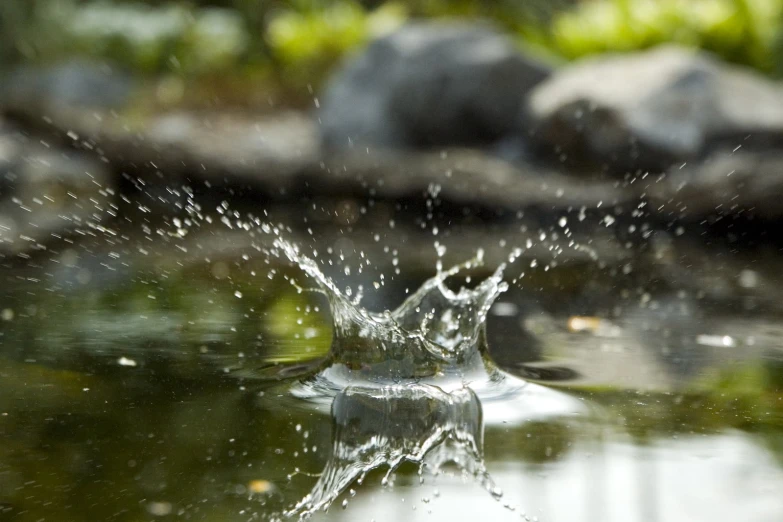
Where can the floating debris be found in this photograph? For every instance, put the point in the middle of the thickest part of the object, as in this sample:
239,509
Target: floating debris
260,487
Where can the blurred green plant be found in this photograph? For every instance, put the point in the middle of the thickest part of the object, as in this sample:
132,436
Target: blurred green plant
288,47
740,31
151,40
308,43
142,38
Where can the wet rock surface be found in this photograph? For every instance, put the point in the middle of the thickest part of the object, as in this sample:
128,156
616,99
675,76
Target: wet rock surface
427,85
652,226
655,108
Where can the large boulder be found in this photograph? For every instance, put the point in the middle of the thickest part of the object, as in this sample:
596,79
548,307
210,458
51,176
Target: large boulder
429,84
653,109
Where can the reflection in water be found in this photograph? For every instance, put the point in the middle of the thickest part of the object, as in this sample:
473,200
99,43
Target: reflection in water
724,478
388,426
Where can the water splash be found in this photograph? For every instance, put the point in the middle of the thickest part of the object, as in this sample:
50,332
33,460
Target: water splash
412,384
391,425
436,335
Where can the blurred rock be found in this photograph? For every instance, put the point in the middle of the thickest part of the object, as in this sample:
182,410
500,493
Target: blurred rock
9,153
429,84
72,84
725,183
278,155
652,109
280,144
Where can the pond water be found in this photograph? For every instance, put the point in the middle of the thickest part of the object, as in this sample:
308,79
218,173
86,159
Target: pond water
146,382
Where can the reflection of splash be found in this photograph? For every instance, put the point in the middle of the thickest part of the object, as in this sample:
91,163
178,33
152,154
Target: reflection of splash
391,425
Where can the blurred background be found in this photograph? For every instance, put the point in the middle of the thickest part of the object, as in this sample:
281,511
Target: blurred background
627,155
251,53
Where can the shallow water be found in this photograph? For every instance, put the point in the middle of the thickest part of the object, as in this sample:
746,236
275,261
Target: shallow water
167,392
132,446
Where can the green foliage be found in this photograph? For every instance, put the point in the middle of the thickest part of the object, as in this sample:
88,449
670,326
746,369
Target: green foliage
740,31
290,47
309,43
137,36
509,14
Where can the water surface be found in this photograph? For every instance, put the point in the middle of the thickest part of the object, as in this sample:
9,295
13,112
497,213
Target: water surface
165,394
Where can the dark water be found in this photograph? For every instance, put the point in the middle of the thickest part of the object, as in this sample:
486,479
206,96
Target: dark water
158,390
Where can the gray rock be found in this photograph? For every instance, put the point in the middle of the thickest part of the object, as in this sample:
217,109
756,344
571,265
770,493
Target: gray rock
652,109
429,84
726,183
279,156
72,84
